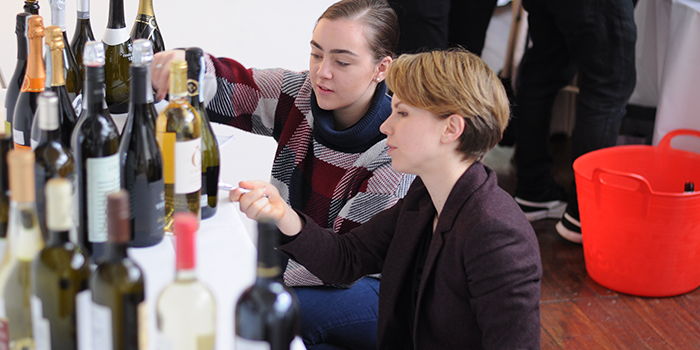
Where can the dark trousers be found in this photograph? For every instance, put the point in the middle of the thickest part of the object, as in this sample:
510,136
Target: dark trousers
595,37
438,24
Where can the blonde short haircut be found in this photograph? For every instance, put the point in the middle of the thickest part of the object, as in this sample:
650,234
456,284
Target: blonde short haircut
450,82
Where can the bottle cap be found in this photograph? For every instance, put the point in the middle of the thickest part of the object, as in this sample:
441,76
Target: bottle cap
22,25
142,52
21,168
35,27
54,38
48,110
94,54
118,217
186,225
59,202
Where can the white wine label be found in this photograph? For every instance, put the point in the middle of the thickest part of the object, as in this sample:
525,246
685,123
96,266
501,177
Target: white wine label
116,36
203,200
18,136
101,327
248,344
83,312
102,179
188,166
40,325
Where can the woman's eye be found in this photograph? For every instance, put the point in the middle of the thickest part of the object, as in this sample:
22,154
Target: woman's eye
403,114
315,55
343,64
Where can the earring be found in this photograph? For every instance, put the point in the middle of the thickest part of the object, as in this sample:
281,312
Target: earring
378,80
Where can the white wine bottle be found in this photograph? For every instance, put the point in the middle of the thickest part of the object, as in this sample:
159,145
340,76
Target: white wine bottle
140,157
25,242
186,308
117,59
83,34
59,273
146,27
71,72
210,148
117,284
33,85
95,145
53,158
178,131
267,314
15,83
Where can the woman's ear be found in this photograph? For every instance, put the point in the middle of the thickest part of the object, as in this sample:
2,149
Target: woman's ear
454,127
383,68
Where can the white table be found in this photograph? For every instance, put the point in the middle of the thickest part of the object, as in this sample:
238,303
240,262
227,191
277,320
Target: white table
668,77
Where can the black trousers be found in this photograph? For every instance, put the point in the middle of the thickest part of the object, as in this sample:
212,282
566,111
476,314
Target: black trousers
438,24
595,37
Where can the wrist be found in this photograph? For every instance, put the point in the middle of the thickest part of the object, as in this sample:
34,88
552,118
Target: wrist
291,223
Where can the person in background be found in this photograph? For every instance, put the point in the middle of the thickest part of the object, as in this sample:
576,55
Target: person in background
460,263
331,161
433,25
597,38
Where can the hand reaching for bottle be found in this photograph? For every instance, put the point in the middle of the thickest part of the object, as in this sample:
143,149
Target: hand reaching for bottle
263,200
160,71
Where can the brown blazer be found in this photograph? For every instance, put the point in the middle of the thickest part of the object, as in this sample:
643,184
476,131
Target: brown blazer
481,281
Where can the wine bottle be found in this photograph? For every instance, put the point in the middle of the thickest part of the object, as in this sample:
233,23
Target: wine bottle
15,84
71,72
186,308
5,146
82,34
25,242
31,7
53,157
210,148
117,58
146,27
32,86
59,273
178,131
117,284
95,145
55,82
267,313
140,157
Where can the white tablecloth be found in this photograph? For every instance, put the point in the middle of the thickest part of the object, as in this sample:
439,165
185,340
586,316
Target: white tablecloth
668,77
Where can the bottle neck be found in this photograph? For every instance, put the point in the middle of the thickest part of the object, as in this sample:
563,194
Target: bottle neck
268,266
22,42
31,7
141,88
93,94
116,251
54,68
58,238
116,14
35,63
146,8
58,13
83,9
186,274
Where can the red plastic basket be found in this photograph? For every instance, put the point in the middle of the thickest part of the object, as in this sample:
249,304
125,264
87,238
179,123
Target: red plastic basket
641,233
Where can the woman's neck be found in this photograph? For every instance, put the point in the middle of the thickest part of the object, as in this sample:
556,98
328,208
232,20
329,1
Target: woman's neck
439,183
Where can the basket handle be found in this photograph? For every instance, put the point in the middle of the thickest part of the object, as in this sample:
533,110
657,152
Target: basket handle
665,143
643,186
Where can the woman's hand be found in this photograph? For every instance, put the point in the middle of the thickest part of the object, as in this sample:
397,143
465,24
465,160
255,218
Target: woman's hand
160,71
264,200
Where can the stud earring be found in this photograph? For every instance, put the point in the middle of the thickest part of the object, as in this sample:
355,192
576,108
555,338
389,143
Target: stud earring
378,80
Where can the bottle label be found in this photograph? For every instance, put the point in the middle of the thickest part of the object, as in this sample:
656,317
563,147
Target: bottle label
115,36
8,127
150,21
82,14
83,312
33,84
188,166
249,344
148,206
101,327
102,179
204,199
40,326
18,137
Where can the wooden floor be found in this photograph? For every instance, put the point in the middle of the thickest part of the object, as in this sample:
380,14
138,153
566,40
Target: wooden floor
577,312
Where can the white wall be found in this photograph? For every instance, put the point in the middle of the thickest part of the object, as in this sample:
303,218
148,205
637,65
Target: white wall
257,33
